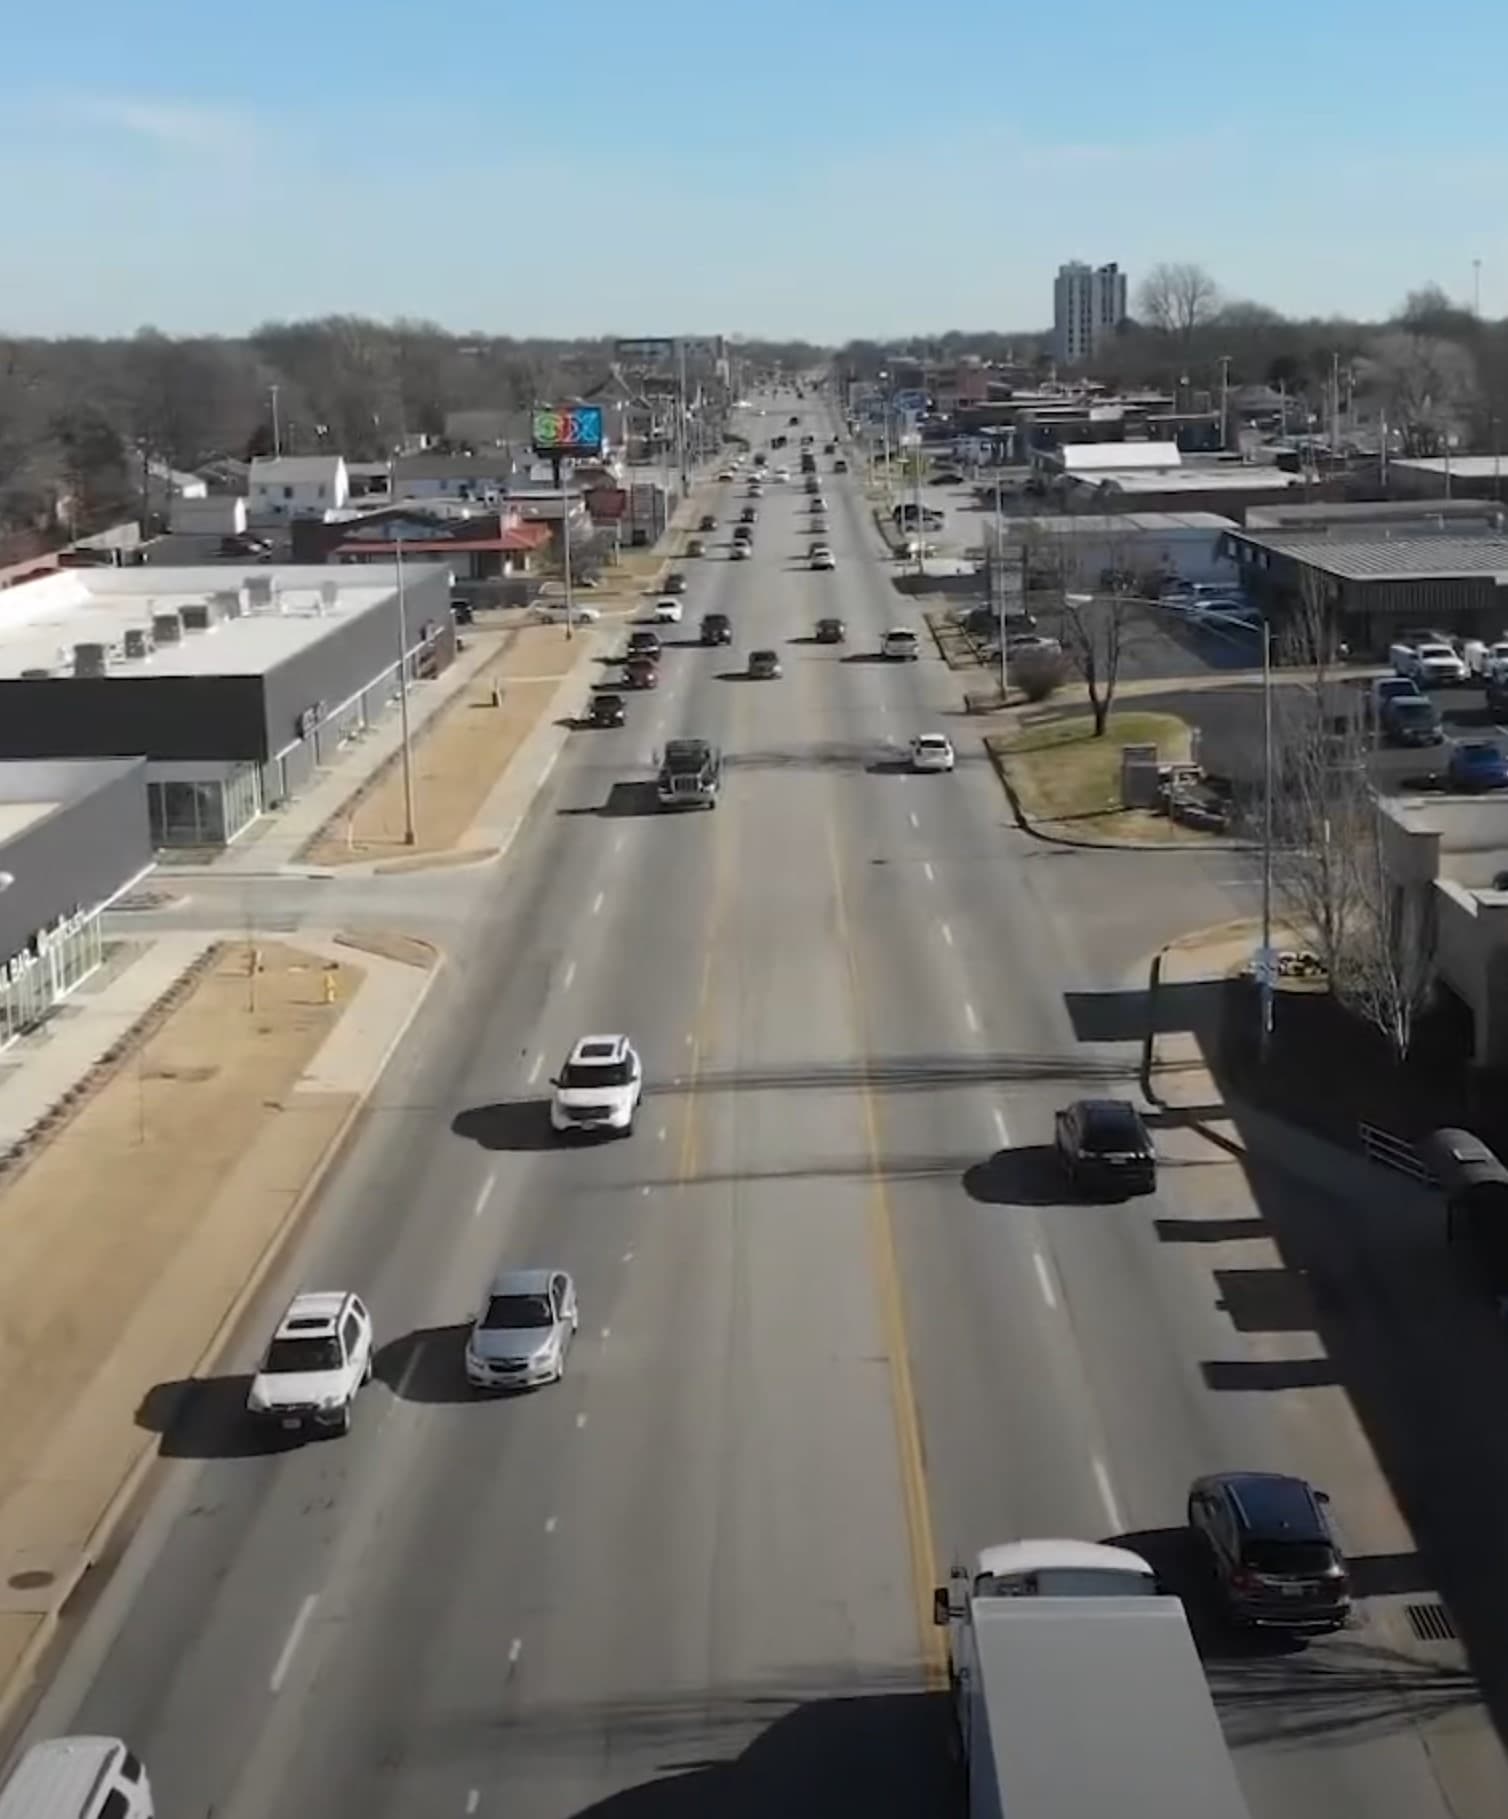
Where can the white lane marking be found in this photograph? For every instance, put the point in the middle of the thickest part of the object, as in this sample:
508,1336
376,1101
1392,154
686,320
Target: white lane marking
618,843
290,1647
645,1192
549,766
927,869
550,1525
1044,1280
408,1371
947,934
581,1419
484,1194
1107,1497
660,1133
539,1061
914,821
607,1333
1002,1129
515,1649
970,1018
628,1256
597,904
473,1800
568,976
690,1039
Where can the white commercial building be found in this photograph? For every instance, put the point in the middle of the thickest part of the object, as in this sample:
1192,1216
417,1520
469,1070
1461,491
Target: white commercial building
281,487
1088,305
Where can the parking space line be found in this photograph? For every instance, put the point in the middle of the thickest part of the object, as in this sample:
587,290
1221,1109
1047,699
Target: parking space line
484,1194
1044,1279
290,1646
1107,1496
1002,1130
970,1018
947,933
534,1072
927,869
568,976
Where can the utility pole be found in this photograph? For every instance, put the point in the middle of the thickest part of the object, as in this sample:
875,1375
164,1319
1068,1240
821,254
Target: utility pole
277,428
680,415
1225,401
1264,1032
565,562
409,830
921,539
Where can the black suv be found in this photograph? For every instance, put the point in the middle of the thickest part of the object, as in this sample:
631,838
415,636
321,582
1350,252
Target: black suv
1275,1556
717,628
606,709
1103,1146
707,522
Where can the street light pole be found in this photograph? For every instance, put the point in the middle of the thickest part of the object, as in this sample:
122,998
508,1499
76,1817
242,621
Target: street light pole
1265,983
277,431
409,832
565,563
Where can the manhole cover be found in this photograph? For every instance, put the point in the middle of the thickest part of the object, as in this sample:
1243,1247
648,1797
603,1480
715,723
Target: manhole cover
1431,1622
30,1581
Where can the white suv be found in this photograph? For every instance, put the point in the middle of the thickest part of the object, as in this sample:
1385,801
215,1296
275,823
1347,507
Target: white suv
899,642
599,1087
319,1357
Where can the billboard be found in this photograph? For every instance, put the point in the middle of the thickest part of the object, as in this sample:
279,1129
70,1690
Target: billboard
570,434
650,348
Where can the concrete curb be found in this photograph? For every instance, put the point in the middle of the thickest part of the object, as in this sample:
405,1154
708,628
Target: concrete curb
21,1680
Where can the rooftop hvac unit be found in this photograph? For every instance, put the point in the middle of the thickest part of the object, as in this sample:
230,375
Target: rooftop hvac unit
198,618
137,642
329,594
90,660
260,594
227,603
167,628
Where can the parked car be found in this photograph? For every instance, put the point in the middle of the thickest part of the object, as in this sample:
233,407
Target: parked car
1104,1147
695,547
1411,720
742,549
707,521
643,642
749,515
641,672
1476,764
831,631
840,466
668,612
822,558
764,666
675,583
1275,1557
1390,688
717,628
901,643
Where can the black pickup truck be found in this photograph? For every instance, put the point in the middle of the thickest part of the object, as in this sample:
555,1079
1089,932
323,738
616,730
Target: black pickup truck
691,774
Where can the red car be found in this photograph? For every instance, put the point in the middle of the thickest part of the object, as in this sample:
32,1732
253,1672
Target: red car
641,672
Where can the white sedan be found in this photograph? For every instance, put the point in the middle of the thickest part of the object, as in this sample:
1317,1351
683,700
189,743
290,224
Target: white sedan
553,612
931,752
667,612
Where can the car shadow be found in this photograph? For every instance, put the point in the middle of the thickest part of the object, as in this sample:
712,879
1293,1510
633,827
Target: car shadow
426,1365
1183,1572
897,766
507,1124
1028,1175
206,1418
625,800
734,675
867,657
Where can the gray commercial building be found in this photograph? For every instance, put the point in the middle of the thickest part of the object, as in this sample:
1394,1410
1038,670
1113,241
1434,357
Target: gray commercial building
1088,306
234,685
73,836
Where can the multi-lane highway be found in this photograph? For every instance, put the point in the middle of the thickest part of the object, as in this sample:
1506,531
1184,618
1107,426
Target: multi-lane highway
830,1334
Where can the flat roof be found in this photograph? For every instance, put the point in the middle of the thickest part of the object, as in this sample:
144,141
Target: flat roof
41,621
1353,557
16,817
1459,467
1095,457
1117,524
1232,479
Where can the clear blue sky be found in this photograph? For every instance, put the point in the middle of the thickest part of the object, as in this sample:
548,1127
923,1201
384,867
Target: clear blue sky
830,168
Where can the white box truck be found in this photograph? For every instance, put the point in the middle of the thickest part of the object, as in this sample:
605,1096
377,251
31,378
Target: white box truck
1078,1690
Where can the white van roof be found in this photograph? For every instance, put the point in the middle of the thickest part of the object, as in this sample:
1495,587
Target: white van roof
60,1777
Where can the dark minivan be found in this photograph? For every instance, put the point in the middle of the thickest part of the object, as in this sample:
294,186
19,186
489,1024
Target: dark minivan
1276,1560
1412,721
1104,1147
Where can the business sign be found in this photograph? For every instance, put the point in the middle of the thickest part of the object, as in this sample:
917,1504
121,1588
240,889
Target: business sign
910,401
572,434
649,348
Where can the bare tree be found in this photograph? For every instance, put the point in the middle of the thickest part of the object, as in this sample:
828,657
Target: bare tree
1178,298
1322,800
1387,968
1426,386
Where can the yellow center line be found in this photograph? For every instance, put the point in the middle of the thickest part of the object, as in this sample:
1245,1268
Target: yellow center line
887,1275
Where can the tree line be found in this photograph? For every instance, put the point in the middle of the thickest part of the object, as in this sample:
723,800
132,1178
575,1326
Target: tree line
1436,370
80,419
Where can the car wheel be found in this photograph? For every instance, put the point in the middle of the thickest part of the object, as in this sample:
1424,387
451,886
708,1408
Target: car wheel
343,1426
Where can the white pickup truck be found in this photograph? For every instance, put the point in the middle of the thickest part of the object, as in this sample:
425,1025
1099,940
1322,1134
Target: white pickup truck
1078,1689
1430,663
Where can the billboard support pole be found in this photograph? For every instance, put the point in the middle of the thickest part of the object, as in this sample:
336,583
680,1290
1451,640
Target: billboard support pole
565,551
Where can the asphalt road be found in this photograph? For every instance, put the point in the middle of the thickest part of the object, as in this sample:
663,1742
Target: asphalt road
837,1321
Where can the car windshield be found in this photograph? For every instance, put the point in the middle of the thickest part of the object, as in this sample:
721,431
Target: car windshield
1285,1559
932,742
1112,1130
1479,754
507,1313
1407,709
287,1356
685,757
596,1073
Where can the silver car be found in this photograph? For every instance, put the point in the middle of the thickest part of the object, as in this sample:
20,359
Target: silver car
521,1335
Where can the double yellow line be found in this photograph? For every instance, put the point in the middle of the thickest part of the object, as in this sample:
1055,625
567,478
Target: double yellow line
910,1454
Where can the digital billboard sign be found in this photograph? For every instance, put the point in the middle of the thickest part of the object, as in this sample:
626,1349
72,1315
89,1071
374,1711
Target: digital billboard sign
571,433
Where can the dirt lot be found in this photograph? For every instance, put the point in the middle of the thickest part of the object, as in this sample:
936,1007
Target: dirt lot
125,1239
457,758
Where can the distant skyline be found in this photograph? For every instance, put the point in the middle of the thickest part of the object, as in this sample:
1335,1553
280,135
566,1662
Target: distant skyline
823,172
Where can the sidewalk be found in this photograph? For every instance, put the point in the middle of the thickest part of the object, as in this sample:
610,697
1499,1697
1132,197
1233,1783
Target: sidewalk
160,1211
